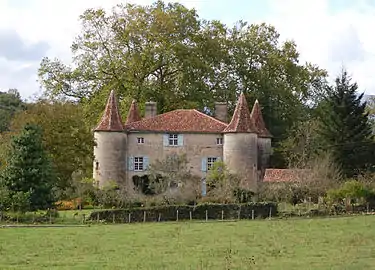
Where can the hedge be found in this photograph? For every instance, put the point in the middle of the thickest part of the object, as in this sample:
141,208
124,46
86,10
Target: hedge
186,212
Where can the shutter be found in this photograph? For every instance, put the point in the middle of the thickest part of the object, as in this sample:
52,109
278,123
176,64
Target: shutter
130,163
145,163
180,140
204,187
204,164
165,139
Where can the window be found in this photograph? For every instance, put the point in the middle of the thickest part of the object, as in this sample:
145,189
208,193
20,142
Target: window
96,165
138,164
210,162
219,141
141,140
173,139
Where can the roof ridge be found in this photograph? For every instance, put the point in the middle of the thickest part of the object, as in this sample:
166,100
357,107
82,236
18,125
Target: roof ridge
213,118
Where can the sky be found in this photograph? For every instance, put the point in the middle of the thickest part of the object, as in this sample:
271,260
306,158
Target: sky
330,33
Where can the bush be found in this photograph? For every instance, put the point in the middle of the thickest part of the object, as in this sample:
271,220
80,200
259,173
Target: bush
69,205
198,212
353,190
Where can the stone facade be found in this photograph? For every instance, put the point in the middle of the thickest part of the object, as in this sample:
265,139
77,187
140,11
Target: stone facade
125,150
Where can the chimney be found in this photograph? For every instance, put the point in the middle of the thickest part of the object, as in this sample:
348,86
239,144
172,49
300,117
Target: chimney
150,109
221,111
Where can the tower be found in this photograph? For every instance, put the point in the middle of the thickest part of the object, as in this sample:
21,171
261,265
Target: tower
240,151
264,138
109,152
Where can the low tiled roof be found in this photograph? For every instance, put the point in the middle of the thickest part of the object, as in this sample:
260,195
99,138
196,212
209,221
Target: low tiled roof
111,119
283,175
133,114
179,121
257,117
241,121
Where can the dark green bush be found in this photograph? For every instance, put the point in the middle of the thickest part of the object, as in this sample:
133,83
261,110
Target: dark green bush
198,212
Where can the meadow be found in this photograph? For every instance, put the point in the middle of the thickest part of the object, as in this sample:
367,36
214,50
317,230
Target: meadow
321,243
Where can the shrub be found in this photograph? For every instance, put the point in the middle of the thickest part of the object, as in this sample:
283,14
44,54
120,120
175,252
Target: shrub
198,212
69,204
353,190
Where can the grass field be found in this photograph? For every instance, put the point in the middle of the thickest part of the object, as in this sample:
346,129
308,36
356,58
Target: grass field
336,243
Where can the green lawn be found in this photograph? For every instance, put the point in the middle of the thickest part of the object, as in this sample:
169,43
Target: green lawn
339,243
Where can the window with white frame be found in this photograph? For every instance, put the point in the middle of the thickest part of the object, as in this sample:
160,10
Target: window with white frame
141,140
219,141
138,164
210,162
173,139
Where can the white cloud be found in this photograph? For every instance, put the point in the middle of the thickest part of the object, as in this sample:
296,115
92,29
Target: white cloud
324,37
331,38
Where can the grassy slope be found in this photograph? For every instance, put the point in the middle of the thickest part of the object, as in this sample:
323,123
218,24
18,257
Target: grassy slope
341,243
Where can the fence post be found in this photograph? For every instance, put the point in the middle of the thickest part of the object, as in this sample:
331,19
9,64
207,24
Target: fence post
239,214
252,214
83,219
144,216
130,214
97,217
368,208
222,215
206,215
270,215
113,217
159,218
190,215
177,215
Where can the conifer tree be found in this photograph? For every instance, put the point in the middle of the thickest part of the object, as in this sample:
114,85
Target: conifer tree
346,130
29,170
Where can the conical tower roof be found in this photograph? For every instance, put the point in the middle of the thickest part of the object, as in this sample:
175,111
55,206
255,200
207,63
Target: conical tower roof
257,118
133,114
241,121
111,119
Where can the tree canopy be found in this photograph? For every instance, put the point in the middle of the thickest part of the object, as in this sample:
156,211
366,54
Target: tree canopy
66,137
346,129
10,103
166,53
29,175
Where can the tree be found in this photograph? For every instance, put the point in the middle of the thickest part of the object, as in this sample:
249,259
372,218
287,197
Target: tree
345,127
303,144
10,103
165,53
172,177
29,175
66,137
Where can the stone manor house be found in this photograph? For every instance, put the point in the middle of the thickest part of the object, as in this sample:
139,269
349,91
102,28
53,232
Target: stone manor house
125,150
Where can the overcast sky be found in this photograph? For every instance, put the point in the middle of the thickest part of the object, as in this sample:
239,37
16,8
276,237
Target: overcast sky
330,33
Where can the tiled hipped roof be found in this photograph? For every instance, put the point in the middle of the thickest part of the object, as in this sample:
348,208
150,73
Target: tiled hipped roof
133,114
111,119
241,121
179,121
183,120
257,118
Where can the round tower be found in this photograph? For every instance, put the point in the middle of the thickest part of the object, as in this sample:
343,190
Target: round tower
264,138
110,149
240,151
